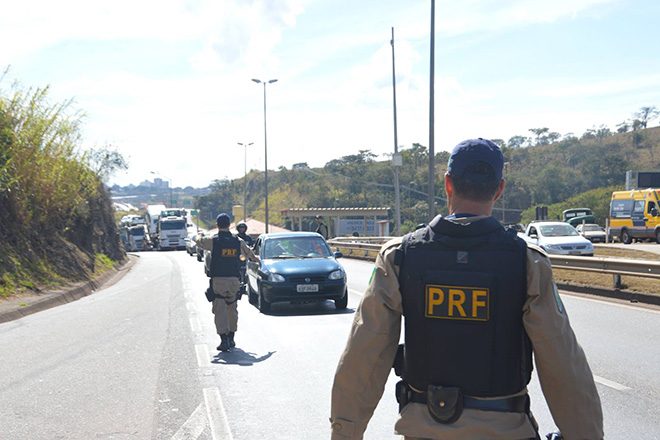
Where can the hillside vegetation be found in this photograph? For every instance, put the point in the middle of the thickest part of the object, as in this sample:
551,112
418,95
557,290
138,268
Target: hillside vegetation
540,170
56,219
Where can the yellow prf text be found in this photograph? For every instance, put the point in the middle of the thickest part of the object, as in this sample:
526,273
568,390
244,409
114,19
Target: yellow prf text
457,302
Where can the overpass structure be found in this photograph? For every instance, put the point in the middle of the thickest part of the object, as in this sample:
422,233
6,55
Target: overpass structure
366,222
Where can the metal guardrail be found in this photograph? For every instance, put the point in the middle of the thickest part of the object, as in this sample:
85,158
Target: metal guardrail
351,248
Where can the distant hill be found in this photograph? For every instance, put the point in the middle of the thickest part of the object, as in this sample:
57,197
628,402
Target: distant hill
536,175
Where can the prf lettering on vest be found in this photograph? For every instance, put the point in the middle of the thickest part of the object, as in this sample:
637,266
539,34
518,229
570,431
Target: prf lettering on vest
229,252
457,302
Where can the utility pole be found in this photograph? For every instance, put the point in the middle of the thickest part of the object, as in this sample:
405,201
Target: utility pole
270,81
396,159
431,185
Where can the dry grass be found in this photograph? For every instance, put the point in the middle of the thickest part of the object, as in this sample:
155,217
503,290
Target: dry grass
606,281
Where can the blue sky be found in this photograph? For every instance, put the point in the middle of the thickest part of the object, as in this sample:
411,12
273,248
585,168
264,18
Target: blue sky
167,82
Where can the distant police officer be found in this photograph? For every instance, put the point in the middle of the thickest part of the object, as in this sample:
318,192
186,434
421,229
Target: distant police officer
241,228
321,227
478,302
226,250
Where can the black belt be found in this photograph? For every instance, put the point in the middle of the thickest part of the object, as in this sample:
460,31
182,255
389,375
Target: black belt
518,404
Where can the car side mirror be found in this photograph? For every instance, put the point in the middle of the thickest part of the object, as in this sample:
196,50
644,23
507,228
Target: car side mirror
534,236
654,212
338,254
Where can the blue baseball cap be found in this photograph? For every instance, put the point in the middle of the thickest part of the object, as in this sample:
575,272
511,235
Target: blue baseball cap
223,220
476,159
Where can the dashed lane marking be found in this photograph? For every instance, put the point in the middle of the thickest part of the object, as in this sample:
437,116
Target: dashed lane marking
217,415
203,357
194,426
195,326
610,383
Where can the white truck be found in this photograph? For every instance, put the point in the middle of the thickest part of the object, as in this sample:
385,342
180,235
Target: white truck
171,232
151,218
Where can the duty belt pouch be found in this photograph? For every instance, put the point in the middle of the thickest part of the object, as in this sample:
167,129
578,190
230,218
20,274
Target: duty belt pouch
210,295
445,404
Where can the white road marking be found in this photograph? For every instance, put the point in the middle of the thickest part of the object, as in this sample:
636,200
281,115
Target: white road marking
195,326
191,307
610,383
610,303
217,415
355,292
194,426
203,357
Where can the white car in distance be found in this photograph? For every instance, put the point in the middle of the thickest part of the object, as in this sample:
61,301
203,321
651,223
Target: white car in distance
557,238
592,232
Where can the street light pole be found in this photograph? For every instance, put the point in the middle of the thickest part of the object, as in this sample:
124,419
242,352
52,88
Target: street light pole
245,180
396,159
431,185
270,81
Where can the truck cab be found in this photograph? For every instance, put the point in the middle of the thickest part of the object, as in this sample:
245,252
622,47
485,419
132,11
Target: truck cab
172,232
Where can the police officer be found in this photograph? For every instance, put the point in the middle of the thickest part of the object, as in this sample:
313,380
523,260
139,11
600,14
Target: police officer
321,227
241,228
226,250
478,302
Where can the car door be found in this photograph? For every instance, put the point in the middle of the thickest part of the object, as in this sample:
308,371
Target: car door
253,266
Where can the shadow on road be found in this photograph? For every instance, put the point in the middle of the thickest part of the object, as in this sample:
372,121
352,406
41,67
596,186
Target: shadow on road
307,309
239,357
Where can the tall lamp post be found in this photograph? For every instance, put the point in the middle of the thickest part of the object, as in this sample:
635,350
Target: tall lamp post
170,181
396,159
431,186
270,81
245,179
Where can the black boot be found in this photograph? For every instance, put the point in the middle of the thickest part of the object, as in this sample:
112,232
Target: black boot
224,343
232,344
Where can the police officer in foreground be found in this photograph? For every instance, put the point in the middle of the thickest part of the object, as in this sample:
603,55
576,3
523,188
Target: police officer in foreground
478,301
226,250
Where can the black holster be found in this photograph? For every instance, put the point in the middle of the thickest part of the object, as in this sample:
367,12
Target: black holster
445,404
399,362
210,295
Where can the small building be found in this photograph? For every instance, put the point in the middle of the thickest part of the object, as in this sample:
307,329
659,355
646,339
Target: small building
365,222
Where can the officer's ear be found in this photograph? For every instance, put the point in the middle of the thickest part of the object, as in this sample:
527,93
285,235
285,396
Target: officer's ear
500,190
449,185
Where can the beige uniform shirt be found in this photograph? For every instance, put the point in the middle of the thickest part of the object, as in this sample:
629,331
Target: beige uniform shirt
562,367
206,243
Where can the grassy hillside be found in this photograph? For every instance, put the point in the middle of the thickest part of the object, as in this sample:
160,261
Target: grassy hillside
543,174
56,219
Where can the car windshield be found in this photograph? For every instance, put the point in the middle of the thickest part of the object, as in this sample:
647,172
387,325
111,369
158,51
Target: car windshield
557,230
296,247
168,226
591,228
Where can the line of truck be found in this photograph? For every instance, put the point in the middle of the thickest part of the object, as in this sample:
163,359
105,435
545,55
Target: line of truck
161,228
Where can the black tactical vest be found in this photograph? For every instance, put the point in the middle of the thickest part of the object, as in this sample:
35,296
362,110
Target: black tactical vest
225,255
463,290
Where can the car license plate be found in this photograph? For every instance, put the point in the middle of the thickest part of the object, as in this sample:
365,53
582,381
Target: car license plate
575,252
307,287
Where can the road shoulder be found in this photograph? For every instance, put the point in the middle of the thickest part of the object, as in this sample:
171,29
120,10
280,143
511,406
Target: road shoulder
25,304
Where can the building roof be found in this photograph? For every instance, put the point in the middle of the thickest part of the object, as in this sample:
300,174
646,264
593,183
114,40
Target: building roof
256,228
336,211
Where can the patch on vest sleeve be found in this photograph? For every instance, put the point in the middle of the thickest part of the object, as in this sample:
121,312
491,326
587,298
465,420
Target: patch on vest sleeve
457,302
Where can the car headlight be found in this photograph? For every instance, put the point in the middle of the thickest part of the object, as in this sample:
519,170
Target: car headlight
336,275
275,278
551,246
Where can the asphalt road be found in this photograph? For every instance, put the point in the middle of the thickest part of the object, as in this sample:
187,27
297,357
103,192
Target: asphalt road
648,247
138,361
